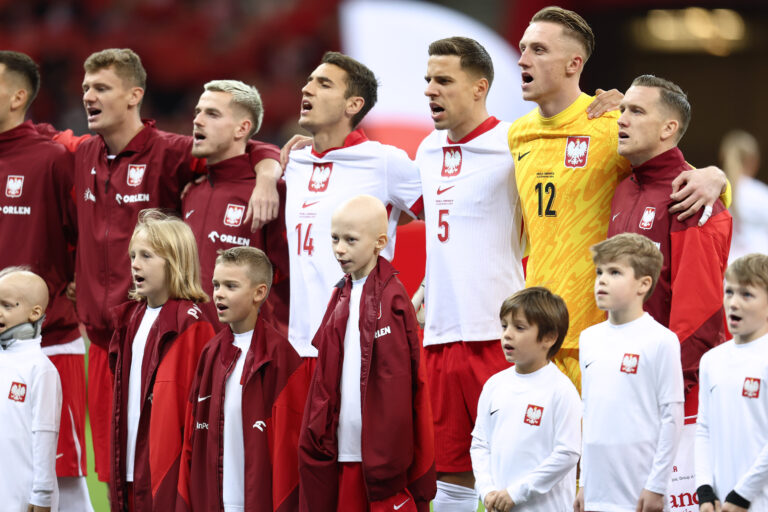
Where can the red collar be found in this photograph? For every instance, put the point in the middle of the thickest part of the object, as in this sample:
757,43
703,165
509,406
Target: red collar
483,127
354,138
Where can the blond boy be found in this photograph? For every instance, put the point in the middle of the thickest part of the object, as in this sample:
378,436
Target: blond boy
632,385
732,430
246,402
29,417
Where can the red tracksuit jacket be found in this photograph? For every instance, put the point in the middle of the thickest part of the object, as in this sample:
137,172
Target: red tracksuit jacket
689,295
170,357
397,432
37,220
149,173
215,210
272,405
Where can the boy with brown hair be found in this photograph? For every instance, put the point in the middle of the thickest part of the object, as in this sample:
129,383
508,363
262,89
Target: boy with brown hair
632,385
527,436
732,431
246,403
367,440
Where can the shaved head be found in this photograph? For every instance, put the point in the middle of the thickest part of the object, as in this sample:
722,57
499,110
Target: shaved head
23,296
365,213
30,286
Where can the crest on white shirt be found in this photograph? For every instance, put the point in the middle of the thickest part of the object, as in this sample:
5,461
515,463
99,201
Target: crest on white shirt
451,161
13,186
321,175
648,215
18,392
576,151
533,415
234,215
136,174
751,388
629,363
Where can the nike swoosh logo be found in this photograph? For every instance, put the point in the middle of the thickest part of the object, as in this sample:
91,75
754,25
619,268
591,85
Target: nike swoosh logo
587,365
190,212
521,155
201,398
307,205
614,217
59,455
398,507
493,412
446,189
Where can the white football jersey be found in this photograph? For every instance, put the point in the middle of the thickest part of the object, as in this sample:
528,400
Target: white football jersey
30,401
627,372
473,223
316,186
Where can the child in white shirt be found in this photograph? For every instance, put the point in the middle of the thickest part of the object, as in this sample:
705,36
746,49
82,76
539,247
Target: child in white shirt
525,444
30,397
632,386
732,428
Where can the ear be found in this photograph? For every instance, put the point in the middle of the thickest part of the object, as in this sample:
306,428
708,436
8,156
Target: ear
669,129
19,99
548,340
243,129
480,88
645,283
381,242
36,313
354,105
260,293
135,95
574,65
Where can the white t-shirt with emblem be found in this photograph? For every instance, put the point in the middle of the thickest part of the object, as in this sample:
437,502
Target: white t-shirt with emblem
316,186
473,223
628,372
732,429
527,438
30,401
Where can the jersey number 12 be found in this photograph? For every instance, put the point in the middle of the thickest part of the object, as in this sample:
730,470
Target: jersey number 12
549,192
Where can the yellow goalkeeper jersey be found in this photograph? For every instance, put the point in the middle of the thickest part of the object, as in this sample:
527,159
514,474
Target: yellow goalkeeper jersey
567,168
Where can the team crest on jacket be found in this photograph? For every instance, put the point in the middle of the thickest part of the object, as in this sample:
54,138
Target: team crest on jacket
629,363
18,392
321,175
136,174
13,186
751,388
234,215
533,415
648,215
451,161
576,150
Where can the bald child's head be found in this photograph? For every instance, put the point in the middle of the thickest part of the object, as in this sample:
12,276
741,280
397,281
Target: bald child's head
23,297
358,234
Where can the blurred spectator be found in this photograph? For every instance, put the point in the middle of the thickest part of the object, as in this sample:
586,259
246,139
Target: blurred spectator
740,157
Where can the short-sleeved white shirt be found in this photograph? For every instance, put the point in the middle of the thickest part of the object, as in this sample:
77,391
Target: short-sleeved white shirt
316,186
30,401
627,372
473,222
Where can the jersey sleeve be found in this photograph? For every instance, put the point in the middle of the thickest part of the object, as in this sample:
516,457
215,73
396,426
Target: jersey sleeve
669,373
755,480
480,449
45,394
403,182
64,183
702,451
699,256
258,151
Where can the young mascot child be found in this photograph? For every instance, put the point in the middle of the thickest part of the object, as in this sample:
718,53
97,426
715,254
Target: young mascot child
527,437
732,430
153,354
367,437
29,417
246,404
632,385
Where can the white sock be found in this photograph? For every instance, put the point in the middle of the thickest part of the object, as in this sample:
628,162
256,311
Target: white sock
73,494
454,498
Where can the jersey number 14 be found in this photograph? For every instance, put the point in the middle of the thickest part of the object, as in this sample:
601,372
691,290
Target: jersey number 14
308,246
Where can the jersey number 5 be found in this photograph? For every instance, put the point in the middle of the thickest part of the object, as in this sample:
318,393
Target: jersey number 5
309,243
442,226
549,191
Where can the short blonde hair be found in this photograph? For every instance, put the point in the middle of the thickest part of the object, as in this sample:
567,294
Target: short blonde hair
639,251
751,270
172,239
126,62
244,96
256,263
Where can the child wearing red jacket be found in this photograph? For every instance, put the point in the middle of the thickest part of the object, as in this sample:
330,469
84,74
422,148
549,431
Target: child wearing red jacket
245,408
153,354
367,440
